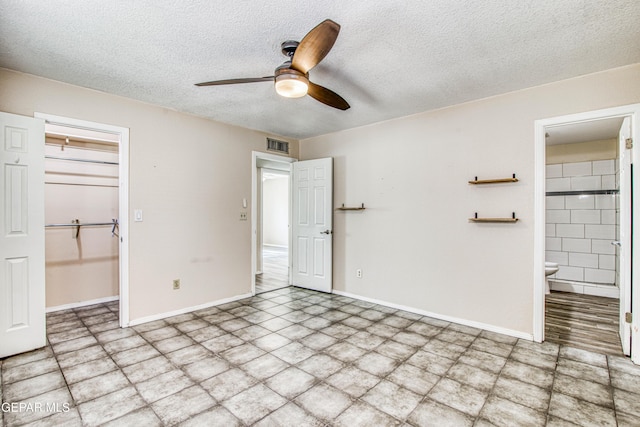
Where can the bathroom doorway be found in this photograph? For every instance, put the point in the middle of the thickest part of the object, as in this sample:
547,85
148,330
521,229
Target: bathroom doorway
583,224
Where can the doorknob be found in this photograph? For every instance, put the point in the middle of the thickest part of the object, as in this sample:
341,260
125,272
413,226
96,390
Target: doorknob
326,232
616,243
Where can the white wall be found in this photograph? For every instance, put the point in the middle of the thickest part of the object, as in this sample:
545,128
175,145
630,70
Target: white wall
275,210
414,242
188,175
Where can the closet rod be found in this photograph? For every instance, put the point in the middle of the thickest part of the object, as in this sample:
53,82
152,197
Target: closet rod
82,185
87,224
81,160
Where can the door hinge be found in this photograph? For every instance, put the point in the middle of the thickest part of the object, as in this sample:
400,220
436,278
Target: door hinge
629,143
628,317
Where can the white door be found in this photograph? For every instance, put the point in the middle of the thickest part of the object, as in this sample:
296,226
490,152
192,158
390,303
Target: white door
22,290
624,248
312,234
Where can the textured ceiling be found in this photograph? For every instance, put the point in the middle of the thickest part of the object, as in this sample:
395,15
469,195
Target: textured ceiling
392,57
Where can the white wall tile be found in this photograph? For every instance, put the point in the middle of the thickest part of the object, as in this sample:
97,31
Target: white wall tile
554,171
583,260
587,201
583,216
555,202
570,273
555,244
608,216
570,230
586,183
609,182
599,231
575,245
604,167
602,247
599,276
561,258
558,184
605,201
577,169
550,230
608,262
559,217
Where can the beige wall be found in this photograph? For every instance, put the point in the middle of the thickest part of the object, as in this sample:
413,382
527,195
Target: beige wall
275,211
188,175
414,242
588,151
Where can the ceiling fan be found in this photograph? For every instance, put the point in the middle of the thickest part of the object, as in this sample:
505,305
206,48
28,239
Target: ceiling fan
292,78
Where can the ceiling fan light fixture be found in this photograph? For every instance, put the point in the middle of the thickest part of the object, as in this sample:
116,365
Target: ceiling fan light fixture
292,85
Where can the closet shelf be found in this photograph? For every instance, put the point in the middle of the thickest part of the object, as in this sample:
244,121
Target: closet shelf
351,208
494,181
504,220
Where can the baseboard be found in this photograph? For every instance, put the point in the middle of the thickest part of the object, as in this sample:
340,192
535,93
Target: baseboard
465,322
81,304
609,291
187,310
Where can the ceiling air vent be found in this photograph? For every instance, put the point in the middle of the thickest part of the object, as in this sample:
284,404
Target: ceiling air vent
279,146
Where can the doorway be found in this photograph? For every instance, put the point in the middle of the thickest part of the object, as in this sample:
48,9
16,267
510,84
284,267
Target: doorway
583,212
86,205
274,229
270,219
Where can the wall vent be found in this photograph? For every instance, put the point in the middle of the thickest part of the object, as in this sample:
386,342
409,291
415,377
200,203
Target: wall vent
279,146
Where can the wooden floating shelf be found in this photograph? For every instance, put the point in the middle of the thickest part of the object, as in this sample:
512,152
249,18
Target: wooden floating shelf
351,208
476,219
493,219
494,181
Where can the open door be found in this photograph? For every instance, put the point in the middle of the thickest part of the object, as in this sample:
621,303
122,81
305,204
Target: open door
312,221
624,248
22,279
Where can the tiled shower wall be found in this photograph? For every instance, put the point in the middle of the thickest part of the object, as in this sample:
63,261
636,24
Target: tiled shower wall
580,228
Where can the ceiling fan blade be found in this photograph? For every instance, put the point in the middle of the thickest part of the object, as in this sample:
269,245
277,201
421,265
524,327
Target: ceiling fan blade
315,46
327,97
236,81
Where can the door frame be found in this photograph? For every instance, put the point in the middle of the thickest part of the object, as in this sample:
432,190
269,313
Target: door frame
123,197
255,156
632,111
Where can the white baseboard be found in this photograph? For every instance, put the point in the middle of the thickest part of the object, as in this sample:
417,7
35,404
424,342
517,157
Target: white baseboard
187,310
478,325
609,291
81,304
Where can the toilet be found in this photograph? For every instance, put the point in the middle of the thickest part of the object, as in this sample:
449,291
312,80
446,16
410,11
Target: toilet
549,269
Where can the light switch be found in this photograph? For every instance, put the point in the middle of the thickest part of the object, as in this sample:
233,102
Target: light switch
137,215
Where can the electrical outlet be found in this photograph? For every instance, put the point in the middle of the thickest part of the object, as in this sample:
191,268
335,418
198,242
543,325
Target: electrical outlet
359,273
243,216
176,284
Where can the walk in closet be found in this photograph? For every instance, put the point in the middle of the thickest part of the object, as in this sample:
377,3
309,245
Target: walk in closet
81,217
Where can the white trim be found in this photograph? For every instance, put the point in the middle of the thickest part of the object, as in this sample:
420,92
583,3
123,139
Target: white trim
187,310
632,111
123,198
255,155
470,323
82,304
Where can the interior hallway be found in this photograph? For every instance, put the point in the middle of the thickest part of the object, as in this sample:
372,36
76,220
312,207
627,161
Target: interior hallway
275,269
303,358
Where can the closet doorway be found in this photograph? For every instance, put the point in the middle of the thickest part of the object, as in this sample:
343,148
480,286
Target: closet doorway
85,185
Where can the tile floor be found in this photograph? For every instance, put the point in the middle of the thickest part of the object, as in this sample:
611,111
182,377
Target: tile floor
294,357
